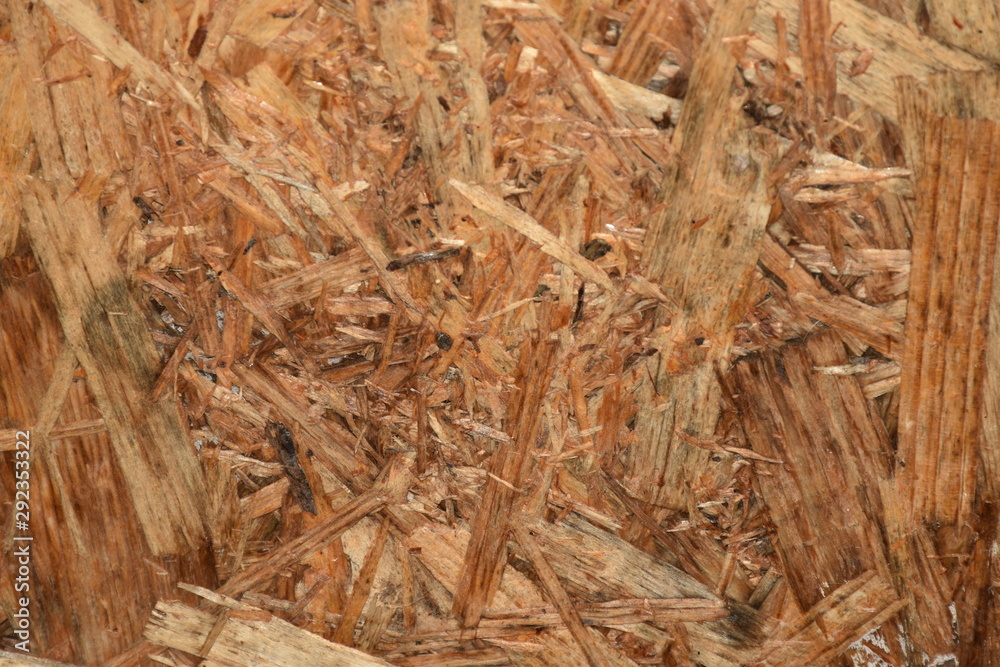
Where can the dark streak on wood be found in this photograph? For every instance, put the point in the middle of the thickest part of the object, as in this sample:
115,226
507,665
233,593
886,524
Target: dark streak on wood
281,439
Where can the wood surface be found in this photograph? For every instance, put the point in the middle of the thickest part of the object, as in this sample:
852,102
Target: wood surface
501,332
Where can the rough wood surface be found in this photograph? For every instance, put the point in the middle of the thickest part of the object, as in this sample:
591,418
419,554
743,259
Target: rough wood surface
896,50
702,248
824,473
14,659
501,332
946,428
105,328
245,637
832,460
967,25
832,625
954,244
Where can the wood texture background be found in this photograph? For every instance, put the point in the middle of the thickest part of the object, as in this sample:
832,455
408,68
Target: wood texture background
648,332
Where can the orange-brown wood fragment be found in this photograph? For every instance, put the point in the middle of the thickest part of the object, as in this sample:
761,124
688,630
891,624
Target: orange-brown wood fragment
441,550
668,610
475,116
580,80
487,552
85,19
15,131
523,223
509,623
825,498
975,604
920,577
841,618
239,639
344,634
951,275
977,600
705,267
819,64
949,438
594,564
99,316
307,177
389,489
558,596
120,482
654,28
331,443
859,323
970,25
974,93
898,50
700,563
405,41
40,385
264,312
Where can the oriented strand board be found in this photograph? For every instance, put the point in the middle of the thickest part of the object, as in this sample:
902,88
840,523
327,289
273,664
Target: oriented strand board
502,332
